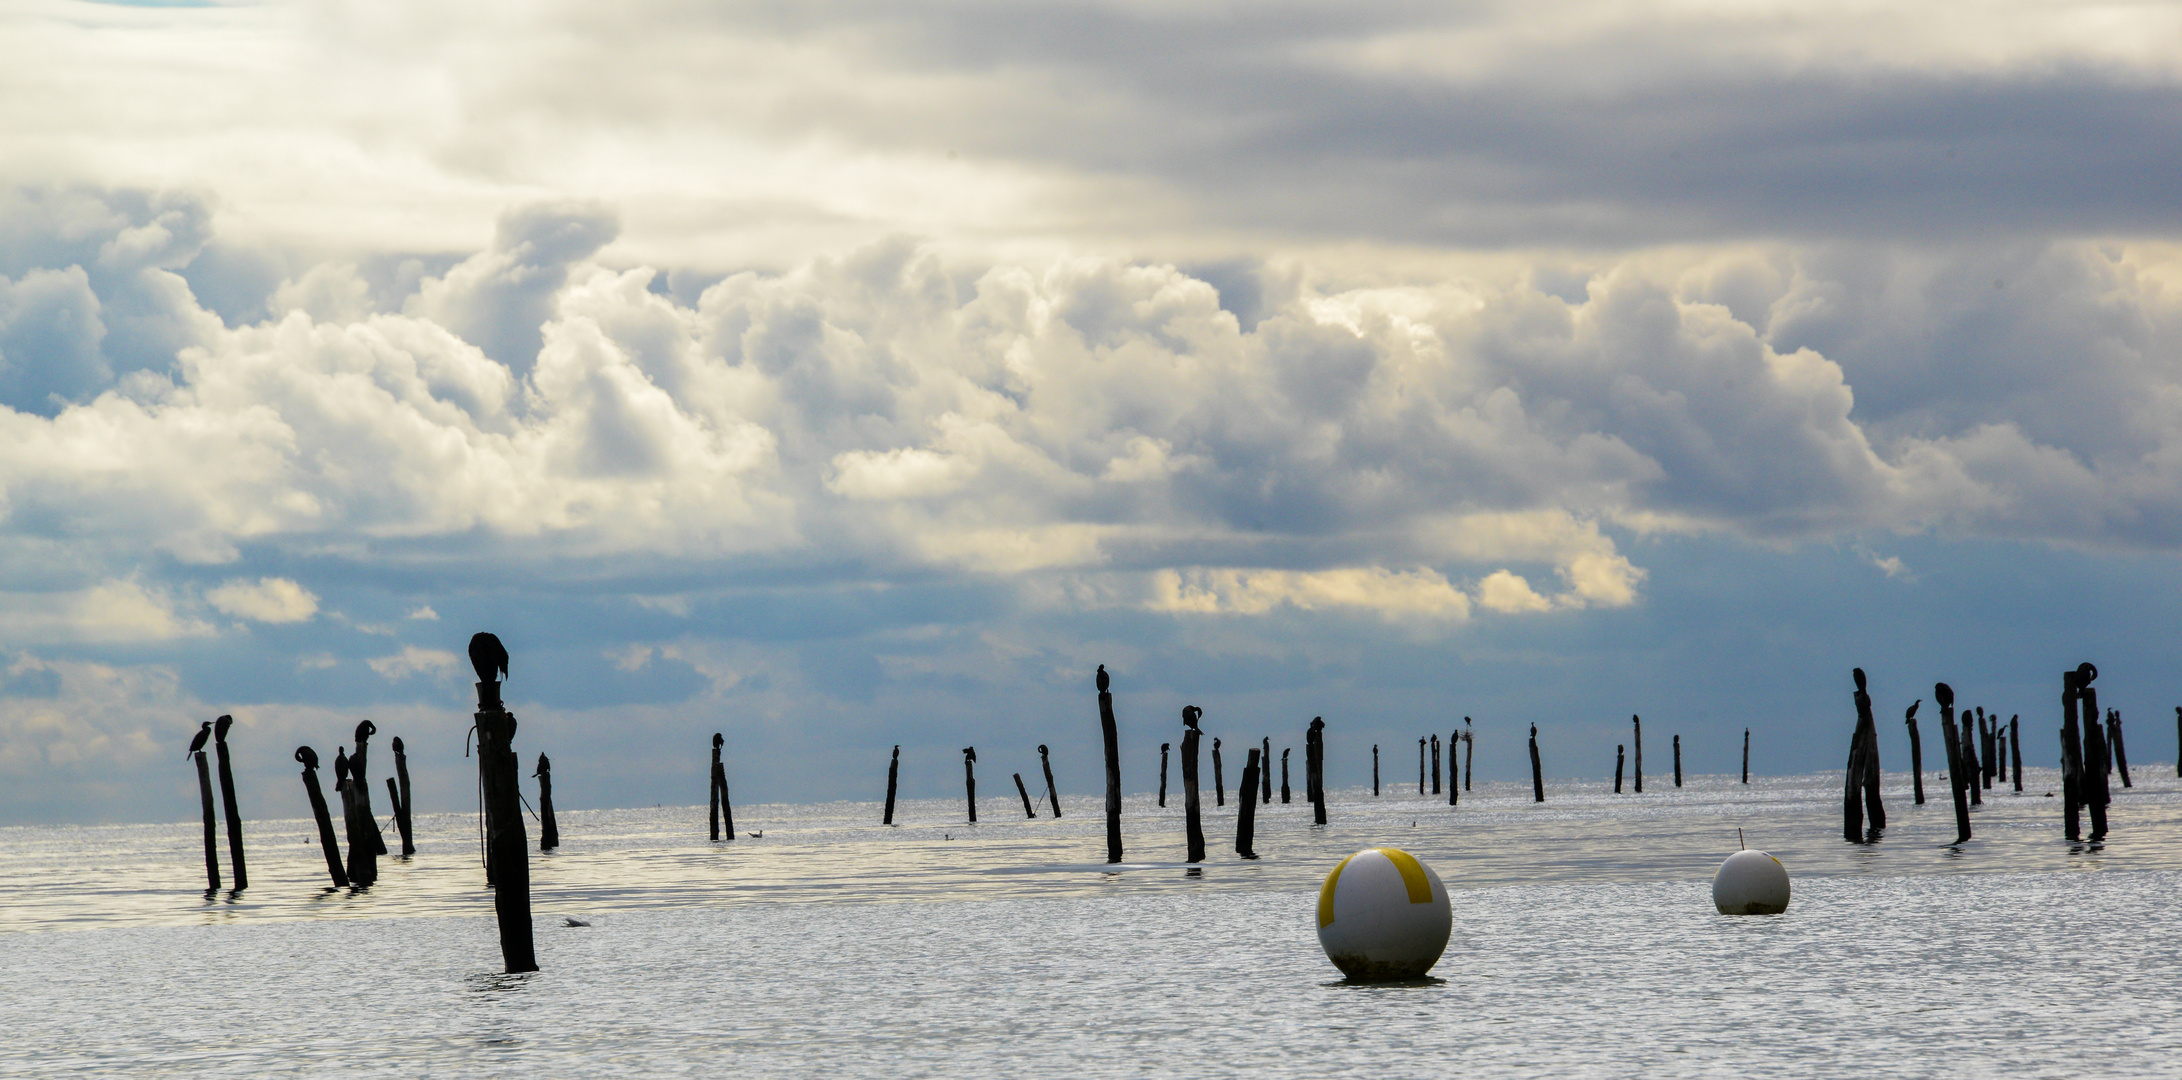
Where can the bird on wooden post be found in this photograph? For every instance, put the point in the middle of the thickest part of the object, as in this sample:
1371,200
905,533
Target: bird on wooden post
969,779
204,735
489,657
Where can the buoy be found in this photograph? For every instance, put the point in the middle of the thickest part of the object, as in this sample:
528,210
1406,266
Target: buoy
1750,883
1382,914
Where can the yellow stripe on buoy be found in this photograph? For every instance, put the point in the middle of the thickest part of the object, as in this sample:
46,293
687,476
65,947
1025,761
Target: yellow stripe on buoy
1325,893
1413,879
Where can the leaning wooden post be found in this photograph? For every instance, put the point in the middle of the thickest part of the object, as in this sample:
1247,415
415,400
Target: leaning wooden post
1637,740
351,830
2113,739
506,847
1374,770
403,812
364,731
1219,778
1112,735
1163,748
1265,769
1469,754
1314,750
1284,752
1435,763
1618,749
1867,730
893,772
1537,770
227,802
1053,794
1678,760
1916,751
969,780
549,834
2015,748
1246,815
1193,826
713,779
332,847
1945,695
1746,756
1025,793
212,825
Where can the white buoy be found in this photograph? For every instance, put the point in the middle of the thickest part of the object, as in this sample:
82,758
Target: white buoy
1750,883
1383,914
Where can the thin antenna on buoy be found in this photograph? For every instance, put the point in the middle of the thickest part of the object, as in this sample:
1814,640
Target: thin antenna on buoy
1739,839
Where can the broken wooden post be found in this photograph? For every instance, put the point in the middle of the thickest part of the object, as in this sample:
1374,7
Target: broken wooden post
549,834
1314,767
1864,761
1219,777
212,825
1469,754
2001,740
1193,824
1374,770
1265,769
1618,753
1284,752
351,830
713,779
1247,815
1163,748
227,802
1454,775
507,849
969,780
1678,760
403,812
1421,741
1636,739
1916,751
332,847
1112,736
1053,794
2015,748
1537,771
1025,793
893,773
365,729
2113,740
2093,776
1988,748
2071,756
1435,763
1945,695
1852,807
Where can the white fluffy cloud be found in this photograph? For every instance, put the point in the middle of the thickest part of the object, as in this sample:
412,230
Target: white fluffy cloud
268,600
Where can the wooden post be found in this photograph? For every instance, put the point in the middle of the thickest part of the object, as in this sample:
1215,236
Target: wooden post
2015,748
2093,782
1265,769
1852,807
1454,775
506,847
1469,754
2113,740
1053,794
893,773
403,811
212,825
1314,767
351,833
1637,739
1746,756
1945,695
2071,756
727,799
1374,770
1537,771
1988,748
1113,769
1916,751
713,775
1618,753
362,786
1678,760
2000,757
332,847
1246,815
1435,763
1193,825
549,834
1284,752
227,802
1163,748
1025,793
1421,741
1971,759
1867,760
1219,777
969,780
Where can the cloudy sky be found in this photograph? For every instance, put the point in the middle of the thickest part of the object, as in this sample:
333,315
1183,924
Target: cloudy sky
843,375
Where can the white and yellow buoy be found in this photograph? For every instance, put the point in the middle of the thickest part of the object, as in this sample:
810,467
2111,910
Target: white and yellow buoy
1750,883
1382,914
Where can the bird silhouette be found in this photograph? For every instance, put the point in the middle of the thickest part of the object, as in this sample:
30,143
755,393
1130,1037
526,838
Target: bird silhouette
1190,713
544,767
198,743
969,753
220,726
397,744
365,730
719,740
489,657
1912,713
340,765
1102,678
307,756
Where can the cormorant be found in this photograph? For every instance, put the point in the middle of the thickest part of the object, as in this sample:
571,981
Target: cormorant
489,657
365,729
969,753
198,743
1102,678
340,765
1190,713
219,728
307,756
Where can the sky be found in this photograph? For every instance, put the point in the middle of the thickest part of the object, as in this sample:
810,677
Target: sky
838,376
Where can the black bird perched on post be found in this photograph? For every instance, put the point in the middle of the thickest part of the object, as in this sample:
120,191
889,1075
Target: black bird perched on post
969,753
204,733
489,657
307,756
219,727
365,730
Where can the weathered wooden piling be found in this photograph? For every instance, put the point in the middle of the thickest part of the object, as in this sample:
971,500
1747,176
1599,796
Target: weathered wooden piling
1163,747
1421,742
715,777
1374,770
507,848
1314,764
1219,777
326,841
1916,751
549,834
1454,774
2001,740
1618,749
403,812
1284,752
1469,754
1435,763
1053,793
212,825
2015,748
969,780
1956,779
1246,816
2071,756
1193,823
361,783
2093,783
1746,755
227,802
1025,793
893,774
352,831
1678,761
1636,739
1112,736
1988,748
1537,770
1864,762
1265,769
2113,740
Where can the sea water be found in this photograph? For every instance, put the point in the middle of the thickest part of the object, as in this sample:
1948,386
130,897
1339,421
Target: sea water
1585,943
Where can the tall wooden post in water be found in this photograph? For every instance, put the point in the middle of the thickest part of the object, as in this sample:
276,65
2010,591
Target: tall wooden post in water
227,802
1436,763
204,795
1618,753
1945,695
549,834
1421,741
1193,825
1916,751
1537,770
893,773
402,817
507,850
714,781
365,729
2015,748
1113,768
1314,749
1746,756
2113,741
2093,772
1163,748
1053,794
1284,752
1246,815
1028,812
1454,772
1374,770
1469,754
1265,769
1678,760
969,780
309,759
1636,739
1219,777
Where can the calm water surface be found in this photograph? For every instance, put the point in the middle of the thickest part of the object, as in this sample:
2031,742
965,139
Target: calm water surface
1585,943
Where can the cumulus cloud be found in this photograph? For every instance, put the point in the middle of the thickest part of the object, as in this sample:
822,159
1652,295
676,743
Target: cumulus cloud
414,661
268,600
118,611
